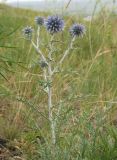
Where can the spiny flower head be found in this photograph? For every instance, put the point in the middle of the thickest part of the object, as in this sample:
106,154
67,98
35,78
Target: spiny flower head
27,31
54,24
39,20
77,30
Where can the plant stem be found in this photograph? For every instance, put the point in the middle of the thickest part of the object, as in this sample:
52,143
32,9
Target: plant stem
50,95
47,77
39,52
64,55
50,109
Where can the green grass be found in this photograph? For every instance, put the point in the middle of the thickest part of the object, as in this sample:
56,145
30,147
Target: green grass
87,88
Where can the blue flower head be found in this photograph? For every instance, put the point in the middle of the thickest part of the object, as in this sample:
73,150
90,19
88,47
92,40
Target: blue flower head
77,30
39,20
27,31
54,24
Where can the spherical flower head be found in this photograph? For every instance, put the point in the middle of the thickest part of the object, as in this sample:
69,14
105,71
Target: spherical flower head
39,20
54,24
27,31
77,30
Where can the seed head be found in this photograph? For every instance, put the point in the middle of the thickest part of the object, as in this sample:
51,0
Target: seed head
27,31
54,24
77,30
39,20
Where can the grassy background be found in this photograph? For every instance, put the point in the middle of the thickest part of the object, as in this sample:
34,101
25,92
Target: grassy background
86,90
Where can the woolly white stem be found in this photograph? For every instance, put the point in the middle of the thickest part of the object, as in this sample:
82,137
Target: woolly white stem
45,74
39,51
48,77
64,55
50,95
51,115
45,78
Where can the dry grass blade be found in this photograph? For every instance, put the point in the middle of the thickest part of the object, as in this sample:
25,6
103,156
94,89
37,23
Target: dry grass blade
68,4
3,76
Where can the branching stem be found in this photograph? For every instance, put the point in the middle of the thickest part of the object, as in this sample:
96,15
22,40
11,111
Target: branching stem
40,53
48,74
64,55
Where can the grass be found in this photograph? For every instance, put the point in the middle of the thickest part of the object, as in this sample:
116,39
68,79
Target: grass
86,90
